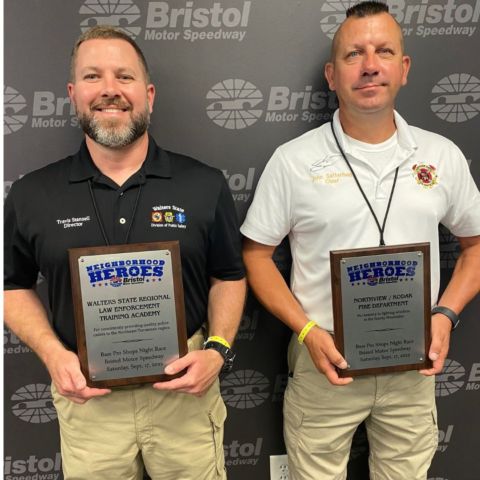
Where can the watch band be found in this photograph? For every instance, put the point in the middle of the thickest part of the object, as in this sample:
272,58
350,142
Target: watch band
449,313
227,353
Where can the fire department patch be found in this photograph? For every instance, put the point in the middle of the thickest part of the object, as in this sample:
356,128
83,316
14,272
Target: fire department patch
157,217
425,175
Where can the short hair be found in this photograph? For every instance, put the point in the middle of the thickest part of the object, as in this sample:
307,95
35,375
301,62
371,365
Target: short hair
361,10
365,9
106,32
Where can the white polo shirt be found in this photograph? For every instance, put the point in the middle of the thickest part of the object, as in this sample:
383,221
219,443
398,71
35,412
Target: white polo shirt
308,193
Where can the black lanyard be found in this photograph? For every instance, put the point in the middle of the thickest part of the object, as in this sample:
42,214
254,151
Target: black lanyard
99,218
381,229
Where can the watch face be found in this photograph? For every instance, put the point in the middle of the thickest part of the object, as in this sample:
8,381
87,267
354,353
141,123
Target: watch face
226,353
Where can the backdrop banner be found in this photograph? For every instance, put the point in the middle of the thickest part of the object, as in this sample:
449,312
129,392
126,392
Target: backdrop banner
235,79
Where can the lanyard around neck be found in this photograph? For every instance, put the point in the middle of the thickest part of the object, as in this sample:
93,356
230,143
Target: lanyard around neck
99,218
381,229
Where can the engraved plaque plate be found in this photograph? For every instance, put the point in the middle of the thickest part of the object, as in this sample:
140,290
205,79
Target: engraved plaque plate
381,305
129,311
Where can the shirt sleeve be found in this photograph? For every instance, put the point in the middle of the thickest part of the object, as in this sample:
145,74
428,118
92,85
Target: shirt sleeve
269,217
20,270
463,215
224,254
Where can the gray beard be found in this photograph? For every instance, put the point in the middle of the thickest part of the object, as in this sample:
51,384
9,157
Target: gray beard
111,135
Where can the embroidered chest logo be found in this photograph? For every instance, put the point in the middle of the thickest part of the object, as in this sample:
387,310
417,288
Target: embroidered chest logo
168,216
425,175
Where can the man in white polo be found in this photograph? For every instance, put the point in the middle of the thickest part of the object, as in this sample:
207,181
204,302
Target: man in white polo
411,180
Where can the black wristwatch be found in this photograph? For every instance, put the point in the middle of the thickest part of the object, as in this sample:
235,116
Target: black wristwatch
226,353
449,313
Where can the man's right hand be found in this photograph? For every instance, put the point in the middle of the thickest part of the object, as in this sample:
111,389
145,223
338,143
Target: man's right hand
64,368
325,356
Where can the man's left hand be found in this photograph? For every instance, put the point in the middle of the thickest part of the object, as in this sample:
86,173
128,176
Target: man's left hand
441,328
202,368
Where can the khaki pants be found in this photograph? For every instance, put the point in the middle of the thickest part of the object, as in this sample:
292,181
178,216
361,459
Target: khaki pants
175,435
320,420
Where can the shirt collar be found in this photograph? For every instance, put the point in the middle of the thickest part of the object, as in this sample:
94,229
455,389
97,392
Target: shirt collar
157,163
405,137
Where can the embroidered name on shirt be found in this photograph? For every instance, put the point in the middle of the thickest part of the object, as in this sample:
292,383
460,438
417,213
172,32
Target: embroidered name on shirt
73,222
168,216
331,178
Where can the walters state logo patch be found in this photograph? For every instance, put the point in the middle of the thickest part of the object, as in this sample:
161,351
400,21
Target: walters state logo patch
168,216
425,175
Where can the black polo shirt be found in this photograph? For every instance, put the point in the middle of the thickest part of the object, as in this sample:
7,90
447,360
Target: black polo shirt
172,197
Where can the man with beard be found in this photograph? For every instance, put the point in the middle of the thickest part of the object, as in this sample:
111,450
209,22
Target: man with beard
118,189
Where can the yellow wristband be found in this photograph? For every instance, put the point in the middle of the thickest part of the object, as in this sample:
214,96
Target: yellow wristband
217,339
305,330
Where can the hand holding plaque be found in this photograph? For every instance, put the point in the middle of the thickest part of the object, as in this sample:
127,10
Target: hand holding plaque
381,308
129,311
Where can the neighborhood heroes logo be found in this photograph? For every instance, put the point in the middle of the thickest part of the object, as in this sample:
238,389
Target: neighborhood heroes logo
422,19
48,110
192,23
235,104
33,468
117,13
33,404
122,272
388,271
240,454
451,379
457,98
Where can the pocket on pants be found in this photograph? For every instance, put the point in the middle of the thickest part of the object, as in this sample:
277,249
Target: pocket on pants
217,416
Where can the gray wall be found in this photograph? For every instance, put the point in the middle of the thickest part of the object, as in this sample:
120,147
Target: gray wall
271,51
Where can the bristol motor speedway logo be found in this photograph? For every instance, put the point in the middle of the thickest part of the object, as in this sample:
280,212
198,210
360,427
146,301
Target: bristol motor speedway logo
424,18
14,105
456,98
46,110
33,468
233,104
333,15
454,376
117,13
236,104
245,389
170,21
12,344
33,404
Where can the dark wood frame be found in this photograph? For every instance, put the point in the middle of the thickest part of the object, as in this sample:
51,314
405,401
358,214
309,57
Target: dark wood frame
335,259
74,255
